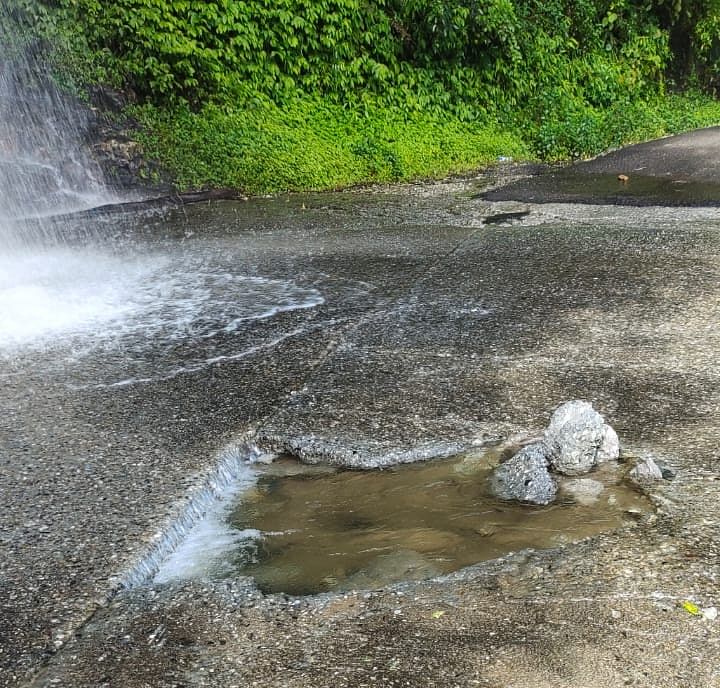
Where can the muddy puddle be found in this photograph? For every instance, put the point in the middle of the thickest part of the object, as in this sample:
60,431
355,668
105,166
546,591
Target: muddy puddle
325,529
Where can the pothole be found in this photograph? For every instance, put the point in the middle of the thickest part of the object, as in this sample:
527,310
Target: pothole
313,529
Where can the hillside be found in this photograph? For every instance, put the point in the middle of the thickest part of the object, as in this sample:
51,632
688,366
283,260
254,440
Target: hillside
294,94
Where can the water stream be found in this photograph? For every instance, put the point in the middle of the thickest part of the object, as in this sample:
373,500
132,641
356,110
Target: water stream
45,169
46,166
72,285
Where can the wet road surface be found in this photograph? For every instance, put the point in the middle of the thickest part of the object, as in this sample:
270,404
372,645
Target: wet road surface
416,330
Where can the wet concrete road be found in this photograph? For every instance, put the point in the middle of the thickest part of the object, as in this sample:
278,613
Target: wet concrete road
437,332
675,171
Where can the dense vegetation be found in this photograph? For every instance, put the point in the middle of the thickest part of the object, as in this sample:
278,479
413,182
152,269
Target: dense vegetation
288,94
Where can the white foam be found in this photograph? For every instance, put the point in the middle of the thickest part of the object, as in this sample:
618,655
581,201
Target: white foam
205,551
195,541
58,291
125,301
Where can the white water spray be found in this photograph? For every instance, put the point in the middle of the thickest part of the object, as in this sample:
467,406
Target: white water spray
89,293
45,161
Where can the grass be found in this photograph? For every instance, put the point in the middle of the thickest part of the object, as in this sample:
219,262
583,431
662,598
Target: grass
314,145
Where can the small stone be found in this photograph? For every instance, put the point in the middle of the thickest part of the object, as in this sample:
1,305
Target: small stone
634,513
645,473
525,477
709,613
667,472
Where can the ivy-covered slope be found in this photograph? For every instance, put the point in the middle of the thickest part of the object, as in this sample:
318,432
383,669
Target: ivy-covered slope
290,94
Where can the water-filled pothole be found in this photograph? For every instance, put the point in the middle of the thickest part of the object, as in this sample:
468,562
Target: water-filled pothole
325,529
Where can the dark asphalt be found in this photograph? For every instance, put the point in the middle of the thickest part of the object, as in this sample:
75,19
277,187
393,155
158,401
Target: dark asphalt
679,170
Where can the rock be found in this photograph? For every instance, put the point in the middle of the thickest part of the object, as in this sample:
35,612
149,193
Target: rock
634,513
709,613
609,449
584,491
525,477
578,439
645,473
110,100
667,472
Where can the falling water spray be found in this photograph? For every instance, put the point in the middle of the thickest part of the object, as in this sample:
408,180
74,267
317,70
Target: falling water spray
45,163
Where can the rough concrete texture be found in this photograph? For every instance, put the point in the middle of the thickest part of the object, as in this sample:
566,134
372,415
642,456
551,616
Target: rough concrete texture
437,332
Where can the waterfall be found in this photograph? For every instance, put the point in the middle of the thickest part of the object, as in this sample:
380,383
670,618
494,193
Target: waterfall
45,163
71,285
48,283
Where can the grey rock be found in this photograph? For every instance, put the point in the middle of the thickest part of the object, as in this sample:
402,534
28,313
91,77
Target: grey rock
645,473
109,99
609,449
578,439
667,472
525,477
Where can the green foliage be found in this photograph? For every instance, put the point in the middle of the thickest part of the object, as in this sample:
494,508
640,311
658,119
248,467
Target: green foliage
694,34
297,94
457,31
706,43
310,144
585,131
461,54
196,50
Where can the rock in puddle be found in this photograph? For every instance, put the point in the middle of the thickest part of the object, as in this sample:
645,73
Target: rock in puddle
584,491
525,477
645,473
576,441
579,439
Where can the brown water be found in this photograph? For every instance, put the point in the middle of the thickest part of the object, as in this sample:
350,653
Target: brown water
327,529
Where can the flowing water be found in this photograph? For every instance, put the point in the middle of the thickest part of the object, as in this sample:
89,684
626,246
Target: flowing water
45,162
71,285
45,169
